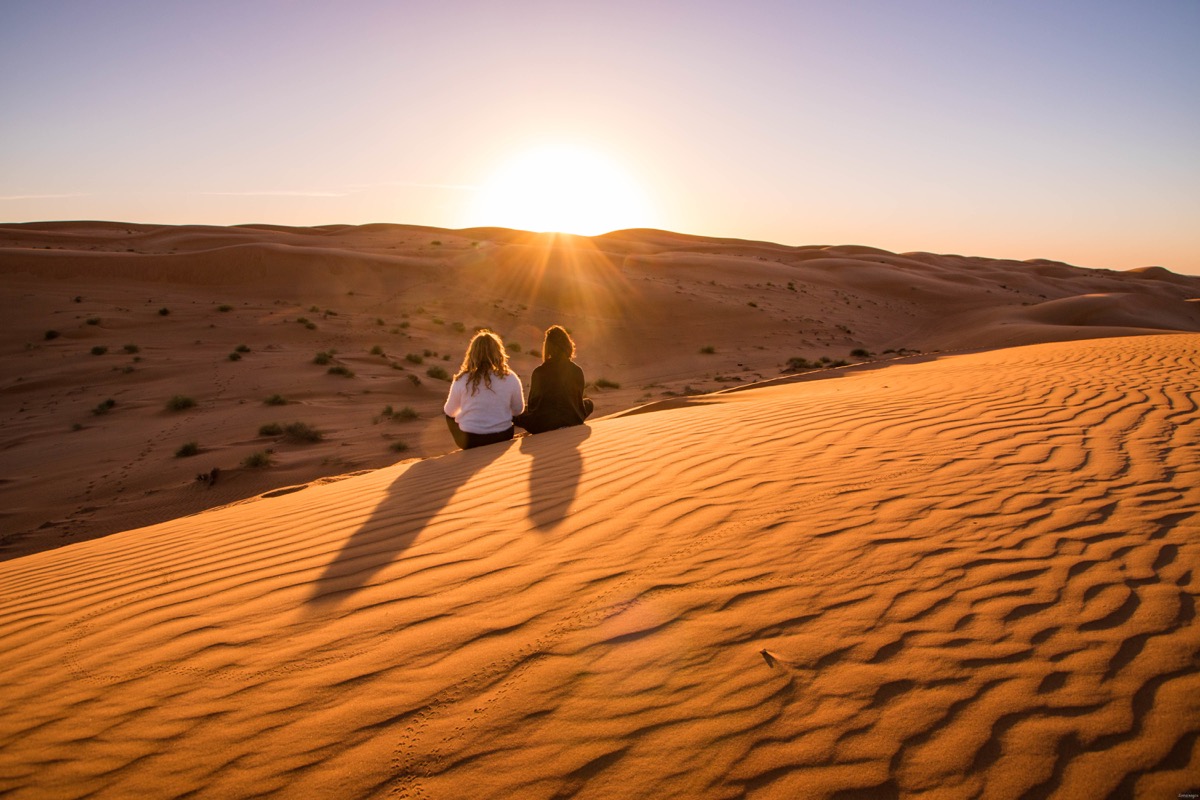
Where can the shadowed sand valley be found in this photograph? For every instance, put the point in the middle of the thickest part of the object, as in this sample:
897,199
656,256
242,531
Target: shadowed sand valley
955,575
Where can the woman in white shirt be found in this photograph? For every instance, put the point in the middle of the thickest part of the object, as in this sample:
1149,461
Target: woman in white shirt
485,395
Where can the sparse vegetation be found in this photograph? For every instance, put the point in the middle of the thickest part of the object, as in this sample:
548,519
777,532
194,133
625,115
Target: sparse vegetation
752,304
438,373
798,364
341,369
406,413
241,348
187,449
51,335
416,381
398,447
235,356
860,352
132,348
301,432
99,350
513,347
92,320
459,327
708,350
270,429
105,407
224,308
257,460
162,312
376,350
181,402
276,400
322,358
605,383
414,358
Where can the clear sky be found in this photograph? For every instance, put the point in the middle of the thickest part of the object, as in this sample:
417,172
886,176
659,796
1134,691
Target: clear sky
1063,129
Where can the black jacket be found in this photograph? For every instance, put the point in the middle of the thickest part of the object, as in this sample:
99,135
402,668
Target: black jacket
555,397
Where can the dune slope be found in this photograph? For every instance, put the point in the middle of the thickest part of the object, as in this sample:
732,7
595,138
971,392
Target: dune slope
339,325
972,576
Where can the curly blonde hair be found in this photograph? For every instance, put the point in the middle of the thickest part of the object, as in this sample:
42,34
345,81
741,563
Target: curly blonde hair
485,356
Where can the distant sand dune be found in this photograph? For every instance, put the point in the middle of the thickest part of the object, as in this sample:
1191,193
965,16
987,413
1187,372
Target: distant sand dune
972,576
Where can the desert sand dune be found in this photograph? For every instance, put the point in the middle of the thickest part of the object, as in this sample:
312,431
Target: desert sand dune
970,576
107,321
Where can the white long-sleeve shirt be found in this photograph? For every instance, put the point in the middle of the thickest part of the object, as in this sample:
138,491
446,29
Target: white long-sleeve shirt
489,409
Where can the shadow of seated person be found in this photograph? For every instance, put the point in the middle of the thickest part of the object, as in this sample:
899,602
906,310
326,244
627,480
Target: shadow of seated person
411,503
554,473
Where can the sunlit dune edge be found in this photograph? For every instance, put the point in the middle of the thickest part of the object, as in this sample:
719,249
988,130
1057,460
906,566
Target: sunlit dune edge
969,575
106,322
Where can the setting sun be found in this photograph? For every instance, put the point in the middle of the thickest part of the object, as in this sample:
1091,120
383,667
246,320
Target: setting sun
562,189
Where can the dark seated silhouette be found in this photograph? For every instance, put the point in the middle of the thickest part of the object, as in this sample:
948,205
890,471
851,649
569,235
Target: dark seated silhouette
555,397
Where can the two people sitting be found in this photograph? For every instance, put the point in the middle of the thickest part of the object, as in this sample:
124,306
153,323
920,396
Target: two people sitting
486,399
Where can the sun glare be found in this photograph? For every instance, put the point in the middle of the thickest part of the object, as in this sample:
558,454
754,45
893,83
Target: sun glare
561,189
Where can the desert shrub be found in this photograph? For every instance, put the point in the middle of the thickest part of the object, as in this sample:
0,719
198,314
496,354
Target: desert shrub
341,369
181,402
414,379
398,447
708,349
241,348
301,432
406,413
224,308
459,327
841,362
275,400
105,407
376,350
270,429
752,304
438,321
439,373
322,358
257,460
99,350
51,335
429,353
825,359
405,324
314,310
436,243
92,320
162,312
235,356
414,358
605,383
795,364
860,352
513,347
132,348
187,449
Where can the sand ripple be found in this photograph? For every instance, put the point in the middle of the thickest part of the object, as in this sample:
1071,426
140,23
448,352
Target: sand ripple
974,576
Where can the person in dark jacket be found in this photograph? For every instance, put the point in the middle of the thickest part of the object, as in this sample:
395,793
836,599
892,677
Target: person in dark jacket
556,389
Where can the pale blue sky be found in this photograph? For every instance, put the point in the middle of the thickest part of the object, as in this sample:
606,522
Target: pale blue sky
1057,129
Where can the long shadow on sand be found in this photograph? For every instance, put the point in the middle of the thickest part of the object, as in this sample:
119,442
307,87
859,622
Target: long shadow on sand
555,468
411,502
